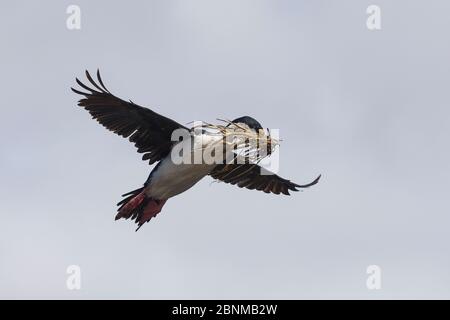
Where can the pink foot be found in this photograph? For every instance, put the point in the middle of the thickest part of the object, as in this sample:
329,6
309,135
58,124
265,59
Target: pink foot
152,208
125,212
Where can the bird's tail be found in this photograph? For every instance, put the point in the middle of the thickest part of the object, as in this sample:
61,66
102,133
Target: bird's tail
139,207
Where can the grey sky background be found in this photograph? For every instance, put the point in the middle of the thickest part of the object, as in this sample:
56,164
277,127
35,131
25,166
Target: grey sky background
369,110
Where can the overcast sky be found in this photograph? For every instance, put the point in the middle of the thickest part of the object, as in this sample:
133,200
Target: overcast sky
369,110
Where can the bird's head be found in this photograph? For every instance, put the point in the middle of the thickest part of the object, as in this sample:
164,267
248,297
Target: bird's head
253,124
245,135
248,121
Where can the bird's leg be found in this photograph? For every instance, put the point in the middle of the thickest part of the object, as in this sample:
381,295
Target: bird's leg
151,209
127,209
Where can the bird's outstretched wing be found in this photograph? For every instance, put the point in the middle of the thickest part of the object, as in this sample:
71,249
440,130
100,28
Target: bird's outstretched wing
149,131
249,176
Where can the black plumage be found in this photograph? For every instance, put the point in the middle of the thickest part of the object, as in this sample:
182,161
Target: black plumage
149,131
253,176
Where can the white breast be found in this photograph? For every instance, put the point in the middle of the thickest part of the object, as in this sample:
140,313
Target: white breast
171,179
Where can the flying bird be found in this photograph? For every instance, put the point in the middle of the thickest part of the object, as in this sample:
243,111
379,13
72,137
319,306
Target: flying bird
152,133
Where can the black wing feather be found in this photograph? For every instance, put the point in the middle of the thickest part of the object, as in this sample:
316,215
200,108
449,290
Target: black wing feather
249,176
149,131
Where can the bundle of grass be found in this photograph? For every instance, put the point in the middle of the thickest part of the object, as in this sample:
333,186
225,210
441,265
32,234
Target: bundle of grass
239,142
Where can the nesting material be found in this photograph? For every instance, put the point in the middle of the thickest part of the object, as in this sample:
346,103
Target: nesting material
239,140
